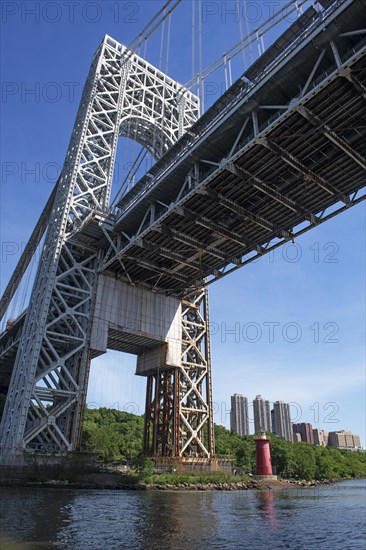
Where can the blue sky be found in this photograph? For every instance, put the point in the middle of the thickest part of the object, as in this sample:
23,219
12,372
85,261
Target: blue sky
313,293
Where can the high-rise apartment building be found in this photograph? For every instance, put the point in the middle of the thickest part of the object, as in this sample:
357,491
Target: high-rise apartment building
344,440
320,437
239,421
262,415
273,429
305,430
282,420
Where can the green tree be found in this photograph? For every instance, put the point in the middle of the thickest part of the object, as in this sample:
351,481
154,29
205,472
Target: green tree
326,466
144,465
117,436
113,435
227,442
102,440
282,456
245,455
304,463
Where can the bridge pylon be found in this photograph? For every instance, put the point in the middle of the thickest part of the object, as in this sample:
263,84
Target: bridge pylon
178,413
123,96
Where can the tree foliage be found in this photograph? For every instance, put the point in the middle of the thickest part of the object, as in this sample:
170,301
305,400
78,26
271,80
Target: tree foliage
113,435
117,436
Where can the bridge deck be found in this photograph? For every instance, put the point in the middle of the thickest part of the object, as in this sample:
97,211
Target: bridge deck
265,164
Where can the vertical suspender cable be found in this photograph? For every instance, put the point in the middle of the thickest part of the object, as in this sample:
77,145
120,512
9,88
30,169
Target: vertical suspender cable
27,283
248,41
14,304
193,36
200,94
162,42
226,76
258,43
168,44
238,2
251,57
230,73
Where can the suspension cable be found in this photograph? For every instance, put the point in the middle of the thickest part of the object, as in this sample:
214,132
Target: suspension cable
168,44
241,32
264,28
193,36
162,43
200,80
251,57
131,173
27,253
142,37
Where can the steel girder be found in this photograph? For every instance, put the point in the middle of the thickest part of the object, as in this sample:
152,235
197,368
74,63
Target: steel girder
277,179
178,415
48,384
122,95
150,95
28,253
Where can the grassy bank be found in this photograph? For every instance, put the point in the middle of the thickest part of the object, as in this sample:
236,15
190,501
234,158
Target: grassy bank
193,478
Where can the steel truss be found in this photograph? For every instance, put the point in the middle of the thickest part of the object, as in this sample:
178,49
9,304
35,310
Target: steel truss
123,95
178,416
185,241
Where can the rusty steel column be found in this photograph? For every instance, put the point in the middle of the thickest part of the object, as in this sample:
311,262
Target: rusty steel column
160,433
178,416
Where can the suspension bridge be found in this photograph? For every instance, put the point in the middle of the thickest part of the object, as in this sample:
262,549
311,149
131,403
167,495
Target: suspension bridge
279,153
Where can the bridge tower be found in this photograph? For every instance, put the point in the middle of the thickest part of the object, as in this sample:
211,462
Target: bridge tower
123,96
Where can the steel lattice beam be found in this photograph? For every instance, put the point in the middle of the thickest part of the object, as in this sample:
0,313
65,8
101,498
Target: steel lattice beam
192,242
271,192
308,174
178,414
332,136
123,95
246,214
27,253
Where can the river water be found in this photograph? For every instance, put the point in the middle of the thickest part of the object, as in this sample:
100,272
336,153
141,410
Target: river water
329,516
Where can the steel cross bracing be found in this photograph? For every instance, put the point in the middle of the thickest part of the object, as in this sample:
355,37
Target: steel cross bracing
179,401
274,158
156,110
123,95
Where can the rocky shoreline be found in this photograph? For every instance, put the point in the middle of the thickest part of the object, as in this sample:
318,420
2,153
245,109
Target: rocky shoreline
239,486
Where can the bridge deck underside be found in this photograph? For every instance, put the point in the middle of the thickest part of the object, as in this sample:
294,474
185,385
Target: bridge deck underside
227,220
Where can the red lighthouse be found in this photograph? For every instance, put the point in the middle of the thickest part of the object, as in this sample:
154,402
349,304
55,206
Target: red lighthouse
263,455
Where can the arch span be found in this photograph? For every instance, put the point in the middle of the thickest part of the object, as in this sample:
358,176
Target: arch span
148,133
156,110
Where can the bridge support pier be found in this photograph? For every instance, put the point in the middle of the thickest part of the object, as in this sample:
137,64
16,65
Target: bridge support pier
178,415
161,422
